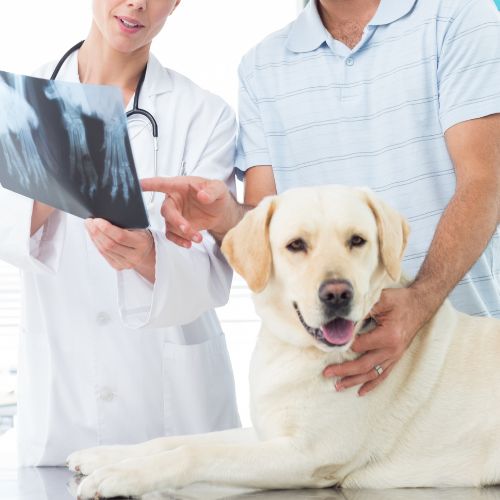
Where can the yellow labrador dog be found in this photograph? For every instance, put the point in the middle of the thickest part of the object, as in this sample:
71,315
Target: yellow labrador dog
317,260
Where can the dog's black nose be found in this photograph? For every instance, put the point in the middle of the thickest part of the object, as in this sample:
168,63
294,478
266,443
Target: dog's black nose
336,295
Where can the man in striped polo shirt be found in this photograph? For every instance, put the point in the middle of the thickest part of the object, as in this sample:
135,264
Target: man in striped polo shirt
402,96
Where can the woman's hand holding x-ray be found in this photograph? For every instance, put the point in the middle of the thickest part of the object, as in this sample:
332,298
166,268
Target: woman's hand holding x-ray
193,204
124,248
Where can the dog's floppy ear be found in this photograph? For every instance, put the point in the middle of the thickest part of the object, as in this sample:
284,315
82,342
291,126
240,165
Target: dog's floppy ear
393,231
247,246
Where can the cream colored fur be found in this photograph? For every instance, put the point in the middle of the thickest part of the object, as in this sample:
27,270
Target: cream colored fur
435,421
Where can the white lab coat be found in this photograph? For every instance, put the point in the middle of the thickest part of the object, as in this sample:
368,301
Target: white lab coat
101,358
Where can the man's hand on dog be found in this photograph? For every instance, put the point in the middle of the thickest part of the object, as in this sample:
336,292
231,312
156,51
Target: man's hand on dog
399,315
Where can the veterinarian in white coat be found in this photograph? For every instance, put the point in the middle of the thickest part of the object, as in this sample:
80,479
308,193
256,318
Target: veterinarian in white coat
102,356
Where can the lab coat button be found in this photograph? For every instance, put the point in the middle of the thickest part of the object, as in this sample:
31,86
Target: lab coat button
103,318
349,61
106,394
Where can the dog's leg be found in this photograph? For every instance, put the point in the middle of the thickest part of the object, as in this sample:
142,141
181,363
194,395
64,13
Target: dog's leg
268,464
90,459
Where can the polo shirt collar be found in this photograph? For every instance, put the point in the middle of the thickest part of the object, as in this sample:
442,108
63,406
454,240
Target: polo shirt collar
391,10
158,79
308,32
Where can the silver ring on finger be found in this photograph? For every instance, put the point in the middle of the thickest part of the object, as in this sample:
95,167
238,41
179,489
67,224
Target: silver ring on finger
379,370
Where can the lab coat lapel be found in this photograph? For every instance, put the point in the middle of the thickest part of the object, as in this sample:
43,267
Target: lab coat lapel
157,81
69,71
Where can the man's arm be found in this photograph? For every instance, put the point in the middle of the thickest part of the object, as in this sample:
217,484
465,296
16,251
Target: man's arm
472,215
259,183
461,236
194,204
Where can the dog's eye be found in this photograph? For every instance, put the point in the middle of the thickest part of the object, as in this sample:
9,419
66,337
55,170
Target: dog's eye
356,241
298,245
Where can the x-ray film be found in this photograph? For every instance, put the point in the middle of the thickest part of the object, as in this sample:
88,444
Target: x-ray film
67,145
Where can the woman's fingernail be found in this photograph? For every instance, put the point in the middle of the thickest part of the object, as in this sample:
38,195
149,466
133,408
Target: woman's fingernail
338,387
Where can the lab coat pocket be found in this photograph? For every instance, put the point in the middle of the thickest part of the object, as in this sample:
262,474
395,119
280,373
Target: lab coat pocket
199,391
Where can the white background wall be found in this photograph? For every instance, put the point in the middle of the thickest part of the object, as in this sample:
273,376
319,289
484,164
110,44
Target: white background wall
204,40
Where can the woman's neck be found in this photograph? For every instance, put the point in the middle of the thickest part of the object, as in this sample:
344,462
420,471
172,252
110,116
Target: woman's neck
99,63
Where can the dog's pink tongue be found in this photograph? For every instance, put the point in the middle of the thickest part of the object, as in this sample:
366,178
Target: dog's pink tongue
339,331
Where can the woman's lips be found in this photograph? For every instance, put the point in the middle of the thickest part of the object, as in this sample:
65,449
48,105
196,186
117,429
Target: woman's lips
128,25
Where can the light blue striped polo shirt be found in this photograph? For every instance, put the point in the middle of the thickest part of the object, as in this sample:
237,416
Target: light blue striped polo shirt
321,113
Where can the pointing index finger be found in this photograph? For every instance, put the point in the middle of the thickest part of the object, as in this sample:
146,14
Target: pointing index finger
159,184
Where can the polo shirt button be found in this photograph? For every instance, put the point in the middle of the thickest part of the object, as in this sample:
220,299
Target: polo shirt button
349,61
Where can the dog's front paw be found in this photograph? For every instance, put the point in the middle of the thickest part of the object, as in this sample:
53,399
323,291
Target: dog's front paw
121,480
89,460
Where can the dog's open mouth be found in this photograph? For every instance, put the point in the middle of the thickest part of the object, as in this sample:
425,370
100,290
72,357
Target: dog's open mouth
335,333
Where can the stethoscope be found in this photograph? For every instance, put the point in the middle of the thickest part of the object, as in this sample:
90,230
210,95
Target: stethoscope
136,110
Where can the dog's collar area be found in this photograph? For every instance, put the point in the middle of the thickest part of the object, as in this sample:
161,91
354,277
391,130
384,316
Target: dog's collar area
318,334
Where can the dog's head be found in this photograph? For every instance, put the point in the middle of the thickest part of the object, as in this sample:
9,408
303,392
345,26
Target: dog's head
317,260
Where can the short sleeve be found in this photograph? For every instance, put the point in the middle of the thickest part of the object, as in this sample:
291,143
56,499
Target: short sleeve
469,65
252,147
